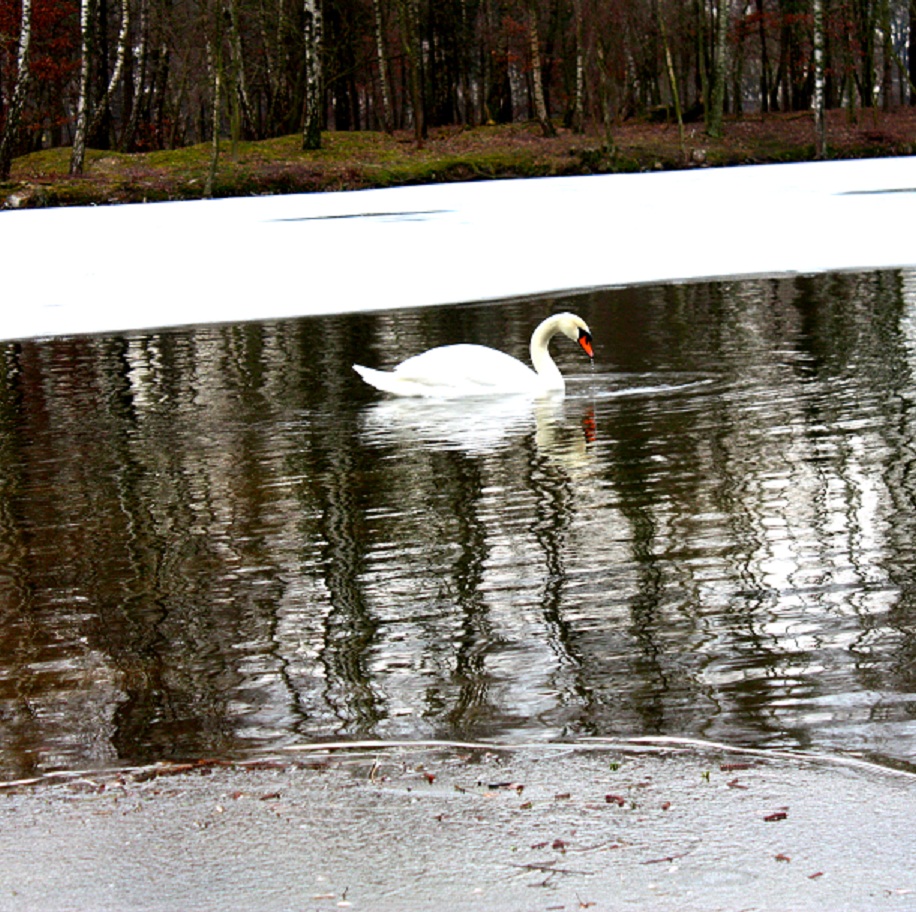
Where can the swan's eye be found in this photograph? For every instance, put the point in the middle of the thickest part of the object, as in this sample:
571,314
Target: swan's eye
585,340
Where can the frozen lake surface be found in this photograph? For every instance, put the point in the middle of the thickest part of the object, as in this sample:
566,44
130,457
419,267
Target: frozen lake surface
87,270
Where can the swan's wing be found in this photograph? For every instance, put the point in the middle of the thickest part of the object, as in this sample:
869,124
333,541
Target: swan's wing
386,381
423,386
468,366
453,371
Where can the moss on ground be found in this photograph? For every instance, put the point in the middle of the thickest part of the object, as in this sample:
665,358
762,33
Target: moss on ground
351,161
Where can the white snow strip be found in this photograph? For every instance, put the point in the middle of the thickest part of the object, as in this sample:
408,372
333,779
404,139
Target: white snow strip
105,269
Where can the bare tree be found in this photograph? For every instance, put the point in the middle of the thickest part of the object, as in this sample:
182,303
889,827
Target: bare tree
413,55
606,100
123,43
537,75
78,152
672,80
10,136
578,118
911,51
382,56
215,65
311,132
141,56
820,128
284,65
720,69
764,58
240,113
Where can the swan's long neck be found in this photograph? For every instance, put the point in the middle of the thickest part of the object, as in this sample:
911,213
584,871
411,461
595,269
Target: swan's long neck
540,357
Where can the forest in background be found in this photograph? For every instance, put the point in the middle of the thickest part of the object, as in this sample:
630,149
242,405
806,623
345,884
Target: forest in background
142,75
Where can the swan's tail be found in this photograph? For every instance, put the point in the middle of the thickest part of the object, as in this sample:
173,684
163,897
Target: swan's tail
386,381
370,375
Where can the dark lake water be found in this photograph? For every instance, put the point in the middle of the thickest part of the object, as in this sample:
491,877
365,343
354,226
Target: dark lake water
218,539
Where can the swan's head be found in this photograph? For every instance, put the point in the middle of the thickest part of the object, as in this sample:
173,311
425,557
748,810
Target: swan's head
576,329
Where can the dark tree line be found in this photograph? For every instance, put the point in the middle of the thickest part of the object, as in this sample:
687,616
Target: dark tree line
153,74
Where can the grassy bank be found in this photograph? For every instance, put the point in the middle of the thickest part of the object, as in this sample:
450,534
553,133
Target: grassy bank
350,161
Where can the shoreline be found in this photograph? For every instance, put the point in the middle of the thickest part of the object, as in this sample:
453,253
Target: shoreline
366,160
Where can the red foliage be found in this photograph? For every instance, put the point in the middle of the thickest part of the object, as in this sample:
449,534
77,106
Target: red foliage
54,56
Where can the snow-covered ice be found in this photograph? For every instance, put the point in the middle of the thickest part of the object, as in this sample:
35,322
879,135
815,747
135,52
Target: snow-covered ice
115,268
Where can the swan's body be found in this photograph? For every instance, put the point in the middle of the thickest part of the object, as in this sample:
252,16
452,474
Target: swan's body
475,370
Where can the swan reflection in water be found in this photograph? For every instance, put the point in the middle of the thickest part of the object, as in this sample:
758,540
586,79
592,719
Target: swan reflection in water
563,429
477,399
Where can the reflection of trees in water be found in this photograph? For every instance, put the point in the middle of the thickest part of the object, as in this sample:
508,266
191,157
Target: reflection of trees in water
898,347
205,541
21,641
768,509
468,696
350,625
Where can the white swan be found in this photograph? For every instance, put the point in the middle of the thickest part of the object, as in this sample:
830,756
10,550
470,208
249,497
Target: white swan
475,370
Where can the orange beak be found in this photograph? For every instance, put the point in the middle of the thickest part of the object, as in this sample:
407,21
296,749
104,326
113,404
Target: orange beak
585,340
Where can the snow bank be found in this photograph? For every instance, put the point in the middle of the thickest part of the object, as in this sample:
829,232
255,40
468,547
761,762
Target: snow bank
115,268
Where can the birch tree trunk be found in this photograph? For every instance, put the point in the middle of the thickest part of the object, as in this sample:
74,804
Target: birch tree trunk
820,128
241,111
312,30
215,61
537,79
272,42
123,42
141,52
578,119
78,153
887,55
10,136
384,82
720,68
311,131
